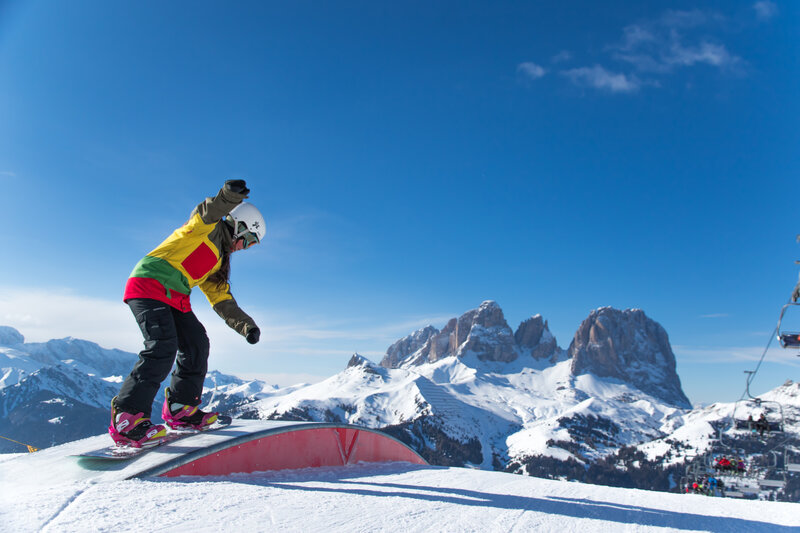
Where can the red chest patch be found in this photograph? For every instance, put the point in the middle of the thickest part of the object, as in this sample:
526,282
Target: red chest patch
200,262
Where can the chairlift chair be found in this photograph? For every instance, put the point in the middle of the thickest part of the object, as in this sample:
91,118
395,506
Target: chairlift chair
791,459
788,339
769,406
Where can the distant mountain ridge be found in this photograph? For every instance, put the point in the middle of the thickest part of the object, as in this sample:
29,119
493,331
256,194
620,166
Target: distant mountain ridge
626,345
60,390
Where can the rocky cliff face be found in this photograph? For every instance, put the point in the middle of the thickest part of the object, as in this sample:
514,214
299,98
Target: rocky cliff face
533,336
483,332
629,346
405,347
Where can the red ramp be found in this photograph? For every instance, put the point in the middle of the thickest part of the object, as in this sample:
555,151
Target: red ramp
286,445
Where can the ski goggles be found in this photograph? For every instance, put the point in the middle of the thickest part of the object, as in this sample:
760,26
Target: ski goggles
248,237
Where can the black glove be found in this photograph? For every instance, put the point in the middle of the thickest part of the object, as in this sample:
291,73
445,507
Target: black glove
253,335
237,186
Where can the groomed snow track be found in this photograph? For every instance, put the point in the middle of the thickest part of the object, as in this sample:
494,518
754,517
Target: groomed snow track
254,446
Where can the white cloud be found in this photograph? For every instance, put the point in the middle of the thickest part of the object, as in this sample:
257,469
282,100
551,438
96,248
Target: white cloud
600,78
765,9
635,36
712,54
7,173
561,57
688,19
658,47
734,354
531,70
671,41
715,315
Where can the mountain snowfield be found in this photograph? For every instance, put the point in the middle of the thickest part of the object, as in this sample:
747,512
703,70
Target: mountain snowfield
513,410
48,491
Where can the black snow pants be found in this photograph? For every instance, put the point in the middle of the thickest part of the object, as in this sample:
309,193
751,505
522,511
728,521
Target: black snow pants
167,331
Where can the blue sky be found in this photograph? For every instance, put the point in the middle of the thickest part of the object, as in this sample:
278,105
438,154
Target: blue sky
412,160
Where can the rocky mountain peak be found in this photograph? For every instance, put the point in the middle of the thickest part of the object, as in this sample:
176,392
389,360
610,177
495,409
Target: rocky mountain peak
629,346
359,361
488,315
533,336
488,335
405,347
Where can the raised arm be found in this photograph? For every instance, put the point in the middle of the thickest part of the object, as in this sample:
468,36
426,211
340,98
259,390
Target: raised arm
212,210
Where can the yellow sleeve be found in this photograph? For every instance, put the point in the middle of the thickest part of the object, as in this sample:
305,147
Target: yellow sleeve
227,308
216,293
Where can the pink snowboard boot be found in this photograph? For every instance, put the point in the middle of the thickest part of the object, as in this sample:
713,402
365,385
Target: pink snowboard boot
178,415
134,430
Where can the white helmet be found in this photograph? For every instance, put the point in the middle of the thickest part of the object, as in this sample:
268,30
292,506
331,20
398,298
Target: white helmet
246,217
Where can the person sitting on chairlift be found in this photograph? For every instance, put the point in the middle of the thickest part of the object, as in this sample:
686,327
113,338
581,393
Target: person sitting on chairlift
712,486
762,425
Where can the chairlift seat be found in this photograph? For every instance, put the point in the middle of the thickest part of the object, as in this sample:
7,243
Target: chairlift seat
777,483
789,340
774,427
793,467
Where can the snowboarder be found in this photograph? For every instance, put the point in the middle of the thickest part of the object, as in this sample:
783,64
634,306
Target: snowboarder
196,254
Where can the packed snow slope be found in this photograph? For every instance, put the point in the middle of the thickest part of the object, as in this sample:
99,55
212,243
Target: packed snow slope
49,491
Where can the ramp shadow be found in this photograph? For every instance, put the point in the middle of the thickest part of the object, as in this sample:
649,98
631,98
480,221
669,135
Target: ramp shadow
568,507
574,508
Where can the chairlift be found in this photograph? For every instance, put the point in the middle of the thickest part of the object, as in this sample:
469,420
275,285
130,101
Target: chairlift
791,459
772,483
788,339
734,494
767,407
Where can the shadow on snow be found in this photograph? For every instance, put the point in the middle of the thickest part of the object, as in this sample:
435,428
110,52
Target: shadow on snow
569,507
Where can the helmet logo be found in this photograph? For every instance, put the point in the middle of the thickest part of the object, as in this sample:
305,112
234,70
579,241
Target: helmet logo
256,224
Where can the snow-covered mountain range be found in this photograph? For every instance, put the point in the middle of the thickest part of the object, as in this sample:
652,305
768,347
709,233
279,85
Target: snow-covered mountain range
608,409
60,390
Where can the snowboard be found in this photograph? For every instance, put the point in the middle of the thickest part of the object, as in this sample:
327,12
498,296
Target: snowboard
121,453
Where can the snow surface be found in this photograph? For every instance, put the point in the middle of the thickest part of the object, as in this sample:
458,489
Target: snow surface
49,491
